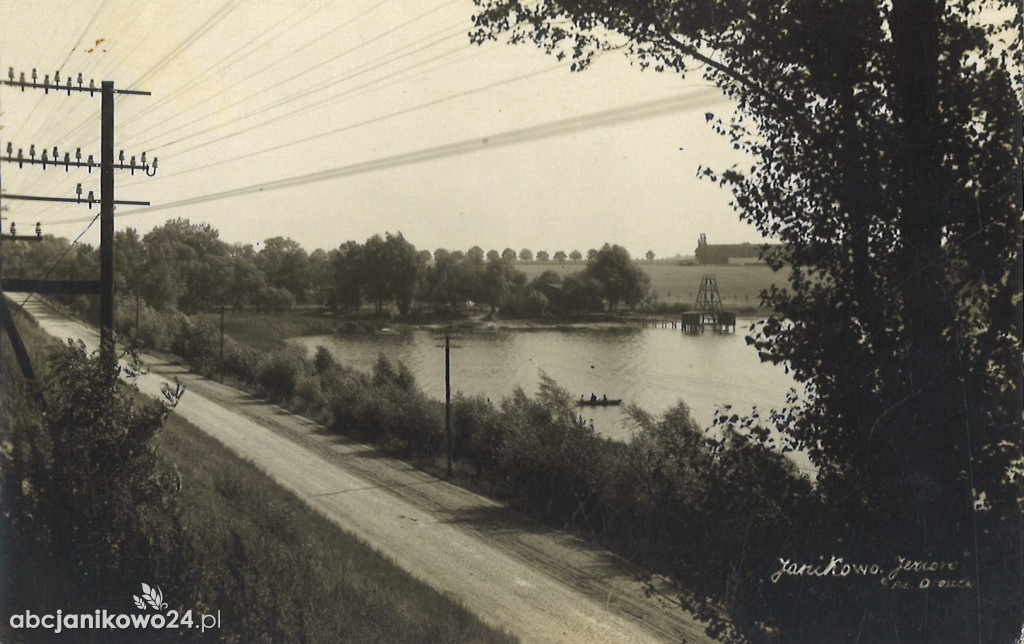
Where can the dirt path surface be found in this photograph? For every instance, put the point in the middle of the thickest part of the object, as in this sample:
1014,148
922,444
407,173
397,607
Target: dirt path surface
537,583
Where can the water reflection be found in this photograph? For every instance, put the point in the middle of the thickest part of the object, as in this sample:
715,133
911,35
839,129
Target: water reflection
651,367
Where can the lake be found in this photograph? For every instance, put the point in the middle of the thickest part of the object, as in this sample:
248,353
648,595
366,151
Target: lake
651,367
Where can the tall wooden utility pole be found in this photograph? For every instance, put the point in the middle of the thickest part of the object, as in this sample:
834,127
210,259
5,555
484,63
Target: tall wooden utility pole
107,220
448,335
104,287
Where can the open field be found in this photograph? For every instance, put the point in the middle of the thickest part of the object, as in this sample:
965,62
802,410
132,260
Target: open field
739,284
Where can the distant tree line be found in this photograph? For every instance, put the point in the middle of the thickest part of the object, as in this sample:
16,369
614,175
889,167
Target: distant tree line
186,267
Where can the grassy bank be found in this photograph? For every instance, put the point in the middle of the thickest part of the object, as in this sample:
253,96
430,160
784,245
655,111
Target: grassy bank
268,330
226,538
278,569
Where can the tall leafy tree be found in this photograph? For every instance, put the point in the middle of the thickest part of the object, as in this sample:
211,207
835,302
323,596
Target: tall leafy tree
391,270
179,266
886,145
285,264
347,275
621,280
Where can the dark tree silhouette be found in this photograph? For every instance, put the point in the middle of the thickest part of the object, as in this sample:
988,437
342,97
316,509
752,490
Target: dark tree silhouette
885,139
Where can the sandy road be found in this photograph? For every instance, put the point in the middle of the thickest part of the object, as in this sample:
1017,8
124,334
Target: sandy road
539,584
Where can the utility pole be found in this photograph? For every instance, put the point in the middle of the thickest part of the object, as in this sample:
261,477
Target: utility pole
448,335
105,286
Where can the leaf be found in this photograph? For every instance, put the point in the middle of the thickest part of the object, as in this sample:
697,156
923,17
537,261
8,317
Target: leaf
139,603
153,596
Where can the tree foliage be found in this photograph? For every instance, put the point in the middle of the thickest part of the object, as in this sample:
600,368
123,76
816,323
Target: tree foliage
885,145
621,280
82,482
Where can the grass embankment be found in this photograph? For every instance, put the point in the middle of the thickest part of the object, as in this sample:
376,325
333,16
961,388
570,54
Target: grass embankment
274,568
284,572
266,331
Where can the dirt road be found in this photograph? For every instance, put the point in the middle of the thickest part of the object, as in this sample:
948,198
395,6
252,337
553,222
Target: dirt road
537,583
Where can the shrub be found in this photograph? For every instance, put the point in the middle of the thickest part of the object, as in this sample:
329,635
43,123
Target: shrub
276,299
242,362
198,341
278,373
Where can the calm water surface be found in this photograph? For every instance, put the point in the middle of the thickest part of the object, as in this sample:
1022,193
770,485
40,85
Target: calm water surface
652,367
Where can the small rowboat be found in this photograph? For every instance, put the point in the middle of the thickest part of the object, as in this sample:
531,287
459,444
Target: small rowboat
600,402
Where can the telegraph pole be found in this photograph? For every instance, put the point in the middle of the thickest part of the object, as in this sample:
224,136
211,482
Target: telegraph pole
104,287
448,335
107,220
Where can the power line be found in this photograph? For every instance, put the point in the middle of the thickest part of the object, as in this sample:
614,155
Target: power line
451,31
561,127
352,126
304,108
220,65
259,73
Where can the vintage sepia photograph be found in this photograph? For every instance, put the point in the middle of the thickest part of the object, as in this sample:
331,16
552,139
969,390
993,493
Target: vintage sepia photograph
584,321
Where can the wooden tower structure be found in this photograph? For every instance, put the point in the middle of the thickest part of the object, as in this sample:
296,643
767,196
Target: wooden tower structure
708,310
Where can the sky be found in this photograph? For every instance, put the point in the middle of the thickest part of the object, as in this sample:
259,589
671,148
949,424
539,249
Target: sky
327,120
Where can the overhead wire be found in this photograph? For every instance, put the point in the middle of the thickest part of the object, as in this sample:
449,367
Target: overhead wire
273,63
62,256
305,91
41,182
560,127
352,126
226,9
308,107
253,44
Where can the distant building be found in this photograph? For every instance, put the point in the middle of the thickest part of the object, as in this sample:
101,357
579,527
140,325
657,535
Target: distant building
731,253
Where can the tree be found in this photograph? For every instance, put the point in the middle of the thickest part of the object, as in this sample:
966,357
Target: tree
575,256
509,255
495,283
493,255
285,264
320,274
391,270
542,256
244,282
650,256
886,145
621,280
560,256
347,265
180,266
526,255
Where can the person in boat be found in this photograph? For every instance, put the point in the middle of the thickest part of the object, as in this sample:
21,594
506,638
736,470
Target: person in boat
604,398
593,397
